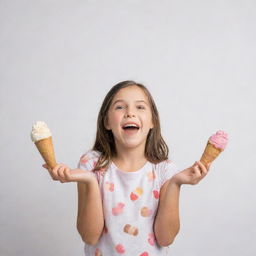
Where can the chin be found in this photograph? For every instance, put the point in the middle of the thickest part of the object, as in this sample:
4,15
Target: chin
132,144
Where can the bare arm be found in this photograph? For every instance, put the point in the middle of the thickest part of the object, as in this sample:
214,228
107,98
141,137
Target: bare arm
167,222
90,219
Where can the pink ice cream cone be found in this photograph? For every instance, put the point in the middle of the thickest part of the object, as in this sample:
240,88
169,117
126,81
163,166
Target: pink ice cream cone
215,145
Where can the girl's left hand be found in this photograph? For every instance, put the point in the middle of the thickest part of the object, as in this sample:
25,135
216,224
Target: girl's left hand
191,175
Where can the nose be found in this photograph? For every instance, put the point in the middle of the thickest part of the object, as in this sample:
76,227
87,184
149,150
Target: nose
129,113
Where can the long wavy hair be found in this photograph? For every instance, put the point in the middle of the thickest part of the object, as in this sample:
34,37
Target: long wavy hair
156,150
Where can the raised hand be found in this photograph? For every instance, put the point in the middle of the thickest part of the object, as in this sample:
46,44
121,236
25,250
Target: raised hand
191,175
63,173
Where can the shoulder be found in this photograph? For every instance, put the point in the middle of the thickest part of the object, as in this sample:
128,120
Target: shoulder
90,154
89,159
165,170
166,165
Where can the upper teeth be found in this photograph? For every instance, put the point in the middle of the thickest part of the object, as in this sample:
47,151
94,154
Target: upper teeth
129,125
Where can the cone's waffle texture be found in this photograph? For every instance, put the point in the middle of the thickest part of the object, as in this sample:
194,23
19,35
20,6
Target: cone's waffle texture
210,153
45,147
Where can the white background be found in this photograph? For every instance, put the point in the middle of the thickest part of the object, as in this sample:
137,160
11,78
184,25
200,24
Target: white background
58,59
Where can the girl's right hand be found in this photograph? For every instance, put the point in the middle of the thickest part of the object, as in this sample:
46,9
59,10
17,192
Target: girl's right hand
63,173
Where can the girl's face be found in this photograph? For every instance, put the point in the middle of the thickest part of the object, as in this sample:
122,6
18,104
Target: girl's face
129,108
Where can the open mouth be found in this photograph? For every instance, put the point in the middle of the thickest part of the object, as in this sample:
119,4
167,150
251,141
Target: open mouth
131,128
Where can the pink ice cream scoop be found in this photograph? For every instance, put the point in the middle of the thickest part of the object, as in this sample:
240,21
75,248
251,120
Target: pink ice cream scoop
215,145
219,139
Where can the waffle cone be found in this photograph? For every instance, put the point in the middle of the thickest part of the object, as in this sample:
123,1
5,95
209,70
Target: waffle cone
210,153
45,147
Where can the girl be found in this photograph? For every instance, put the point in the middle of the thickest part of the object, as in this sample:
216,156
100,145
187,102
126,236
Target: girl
128,190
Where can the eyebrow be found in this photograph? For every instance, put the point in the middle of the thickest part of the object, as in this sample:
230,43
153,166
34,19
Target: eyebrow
135,101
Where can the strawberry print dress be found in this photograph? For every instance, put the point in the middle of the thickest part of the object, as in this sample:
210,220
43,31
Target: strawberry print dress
130,202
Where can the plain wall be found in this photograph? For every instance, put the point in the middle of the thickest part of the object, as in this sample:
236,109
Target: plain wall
58,59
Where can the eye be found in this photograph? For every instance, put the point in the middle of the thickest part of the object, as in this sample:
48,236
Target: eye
140,107
119,107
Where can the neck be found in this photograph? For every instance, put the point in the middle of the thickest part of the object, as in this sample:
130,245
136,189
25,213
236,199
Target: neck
130,157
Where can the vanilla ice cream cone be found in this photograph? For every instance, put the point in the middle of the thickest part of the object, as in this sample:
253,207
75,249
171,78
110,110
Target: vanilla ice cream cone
42,138
45,147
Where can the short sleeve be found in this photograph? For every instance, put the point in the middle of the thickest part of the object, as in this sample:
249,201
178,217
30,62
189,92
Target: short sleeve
88,160
169,170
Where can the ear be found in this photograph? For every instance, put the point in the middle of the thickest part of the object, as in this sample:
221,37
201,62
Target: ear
106,124
152,125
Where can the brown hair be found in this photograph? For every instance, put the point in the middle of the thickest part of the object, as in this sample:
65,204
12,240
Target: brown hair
156,150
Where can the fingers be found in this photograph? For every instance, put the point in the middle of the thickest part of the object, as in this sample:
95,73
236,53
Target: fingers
199,171
46,166
196,174
60,172
64,174
49,170
208,166
202,168
67,174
